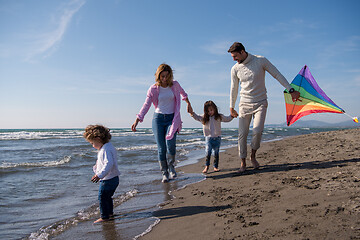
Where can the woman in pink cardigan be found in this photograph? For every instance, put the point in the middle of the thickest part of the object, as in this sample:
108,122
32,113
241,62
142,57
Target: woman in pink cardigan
165,95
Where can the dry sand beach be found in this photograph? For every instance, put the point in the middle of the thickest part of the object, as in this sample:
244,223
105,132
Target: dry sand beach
307,188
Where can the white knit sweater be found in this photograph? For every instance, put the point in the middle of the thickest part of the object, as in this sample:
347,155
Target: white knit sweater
251,75
106,166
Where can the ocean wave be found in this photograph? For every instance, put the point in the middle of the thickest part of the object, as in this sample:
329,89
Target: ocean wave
130,133
191,140
157,220
54,229
195,143
135,148
187,131
6,165
229,138
187,142
41,134
63,134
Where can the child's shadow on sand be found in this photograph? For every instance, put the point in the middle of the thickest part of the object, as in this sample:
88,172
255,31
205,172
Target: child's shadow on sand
186,211
289,166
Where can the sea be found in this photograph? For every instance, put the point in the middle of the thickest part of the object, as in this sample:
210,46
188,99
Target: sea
45,178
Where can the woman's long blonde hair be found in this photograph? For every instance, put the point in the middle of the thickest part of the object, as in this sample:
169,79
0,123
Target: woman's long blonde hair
164,68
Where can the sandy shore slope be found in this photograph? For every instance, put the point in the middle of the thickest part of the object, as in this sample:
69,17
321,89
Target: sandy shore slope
307,188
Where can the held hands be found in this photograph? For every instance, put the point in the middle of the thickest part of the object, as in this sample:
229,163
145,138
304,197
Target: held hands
95,179
190,109
233,113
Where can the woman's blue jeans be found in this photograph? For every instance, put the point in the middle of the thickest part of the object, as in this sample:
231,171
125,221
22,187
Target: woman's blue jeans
106,191
160,125
212,143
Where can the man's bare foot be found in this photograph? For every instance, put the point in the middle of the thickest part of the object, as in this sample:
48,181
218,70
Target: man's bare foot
206,169
255,163
242,166
101,220
216,169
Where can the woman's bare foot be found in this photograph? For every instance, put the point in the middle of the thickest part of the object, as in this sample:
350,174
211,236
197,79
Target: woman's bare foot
206,169
216,169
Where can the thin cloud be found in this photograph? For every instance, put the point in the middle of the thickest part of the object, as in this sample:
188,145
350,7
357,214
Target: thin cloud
349,46
110,85
357,81
217,48
46,43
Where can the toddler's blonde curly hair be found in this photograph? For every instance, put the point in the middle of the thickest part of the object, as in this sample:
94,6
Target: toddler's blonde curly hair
97,131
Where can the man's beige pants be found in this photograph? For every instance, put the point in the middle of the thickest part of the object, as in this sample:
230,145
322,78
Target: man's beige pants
247,111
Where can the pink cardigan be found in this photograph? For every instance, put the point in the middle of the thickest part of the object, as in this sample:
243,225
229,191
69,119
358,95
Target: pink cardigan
152,97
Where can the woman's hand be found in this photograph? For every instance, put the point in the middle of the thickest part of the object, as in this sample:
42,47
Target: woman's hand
95,179
133,127
189,107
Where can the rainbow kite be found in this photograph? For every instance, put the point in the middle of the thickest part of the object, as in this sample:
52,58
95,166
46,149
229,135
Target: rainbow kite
312,98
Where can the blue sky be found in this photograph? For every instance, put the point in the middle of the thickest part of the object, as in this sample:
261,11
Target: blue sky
67,64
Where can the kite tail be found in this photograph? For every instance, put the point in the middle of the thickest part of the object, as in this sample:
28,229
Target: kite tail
355,119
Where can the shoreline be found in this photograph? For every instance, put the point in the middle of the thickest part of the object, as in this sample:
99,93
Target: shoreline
133,217
306,188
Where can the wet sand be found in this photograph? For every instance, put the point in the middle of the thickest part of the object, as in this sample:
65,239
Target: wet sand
308,187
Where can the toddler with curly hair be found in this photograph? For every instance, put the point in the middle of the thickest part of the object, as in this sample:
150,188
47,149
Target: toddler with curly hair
106,168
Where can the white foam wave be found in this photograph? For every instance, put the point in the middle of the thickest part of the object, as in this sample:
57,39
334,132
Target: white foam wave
36,135
62,134
134,148
157,220
195,139
229,138
6,165
130,133
46,232
190,143
190,130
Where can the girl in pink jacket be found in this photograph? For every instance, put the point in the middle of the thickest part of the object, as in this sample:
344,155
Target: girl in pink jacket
166,95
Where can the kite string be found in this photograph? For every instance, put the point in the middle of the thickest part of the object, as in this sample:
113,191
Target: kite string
348,115
355,119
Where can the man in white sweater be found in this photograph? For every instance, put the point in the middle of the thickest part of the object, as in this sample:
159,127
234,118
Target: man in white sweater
249,71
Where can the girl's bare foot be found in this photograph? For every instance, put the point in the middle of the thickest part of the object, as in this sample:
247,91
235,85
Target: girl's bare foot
206,169
216,169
